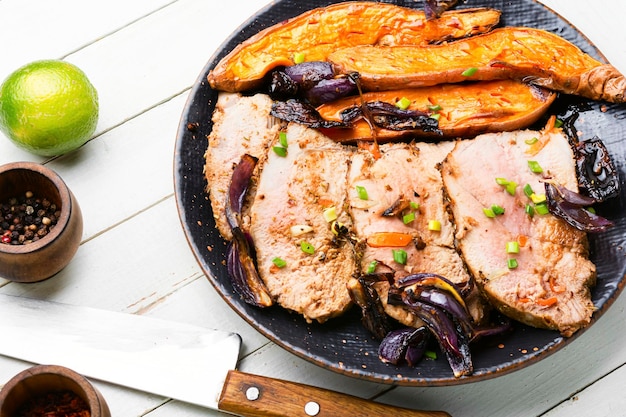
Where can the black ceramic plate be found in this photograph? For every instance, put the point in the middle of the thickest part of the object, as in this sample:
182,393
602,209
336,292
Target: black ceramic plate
342,344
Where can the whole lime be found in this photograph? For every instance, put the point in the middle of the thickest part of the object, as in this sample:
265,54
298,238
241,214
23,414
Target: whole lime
48,107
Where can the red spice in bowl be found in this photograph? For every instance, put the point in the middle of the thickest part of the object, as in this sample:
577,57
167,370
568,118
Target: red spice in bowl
51,391
55,404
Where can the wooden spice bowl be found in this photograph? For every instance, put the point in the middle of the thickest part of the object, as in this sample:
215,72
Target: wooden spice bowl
40,380
45,257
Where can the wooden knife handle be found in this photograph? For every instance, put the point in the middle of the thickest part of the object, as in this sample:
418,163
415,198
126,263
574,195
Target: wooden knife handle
257,396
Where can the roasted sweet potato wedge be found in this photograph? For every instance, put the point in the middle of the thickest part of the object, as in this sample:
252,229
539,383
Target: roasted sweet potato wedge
532,55
318,32
465,110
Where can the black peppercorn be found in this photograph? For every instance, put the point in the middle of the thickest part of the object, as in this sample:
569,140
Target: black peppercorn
25,219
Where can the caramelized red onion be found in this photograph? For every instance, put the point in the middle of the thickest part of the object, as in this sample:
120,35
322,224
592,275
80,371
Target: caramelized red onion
404,345
573,208
298,111
453,341
314,81
373,316
597,176
434,8
240,256
387,116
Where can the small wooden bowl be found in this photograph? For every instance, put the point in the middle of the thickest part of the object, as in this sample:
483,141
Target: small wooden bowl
44,379
45,257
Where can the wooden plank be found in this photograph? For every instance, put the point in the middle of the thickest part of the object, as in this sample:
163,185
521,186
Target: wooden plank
601,399
125,170
62,26
145,63
119,271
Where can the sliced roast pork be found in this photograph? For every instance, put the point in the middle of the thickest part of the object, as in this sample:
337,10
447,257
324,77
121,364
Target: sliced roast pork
300,199
533,267
397,206
241,125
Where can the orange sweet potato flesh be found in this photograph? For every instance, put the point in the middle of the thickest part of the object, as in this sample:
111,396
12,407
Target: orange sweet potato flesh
532,55
467,109
320,31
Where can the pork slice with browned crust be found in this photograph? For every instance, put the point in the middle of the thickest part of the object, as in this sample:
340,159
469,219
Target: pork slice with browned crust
241,125
547,283
404,200
304,265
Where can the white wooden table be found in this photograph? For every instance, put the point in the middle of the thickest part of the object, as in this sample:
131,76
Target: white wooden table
143,56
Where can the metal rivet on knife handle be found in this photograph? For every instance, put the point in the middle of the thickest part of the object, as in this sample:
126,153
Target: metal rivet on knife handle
311,408
252,393
282,398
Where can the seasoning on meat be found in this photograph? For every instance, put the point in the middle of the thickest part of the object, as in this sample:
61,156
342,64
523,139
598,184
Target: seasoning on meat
547,282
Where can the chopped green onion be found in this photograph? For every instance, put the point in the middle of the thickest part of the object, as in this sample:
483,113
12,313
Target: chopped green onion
403,103
501,181
542,209
528,190
534,167
362,192
399,256
282,138
512,247
330,214
489,212
538,198
414,205
280,151
307,247
435,116
529,210
591,210
497,210
371,267
531,141
434,225
469,72
511,263
558,123
408,218
430,354
279,262
435,107
298,58
510,187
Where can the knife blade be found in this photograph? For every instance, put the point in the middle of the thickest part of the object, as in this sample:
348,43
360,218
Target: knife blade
171,359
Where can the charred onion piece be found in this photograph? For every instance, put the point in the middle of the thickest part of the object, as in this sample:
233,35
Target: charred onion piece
240,260
407,344
309,79
373,314
434,8
297,111
503,326
452,339
329,90
442,299
282,87
566,204
243,273
426,279
307,74
597,176
239,183
388,116
397,208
